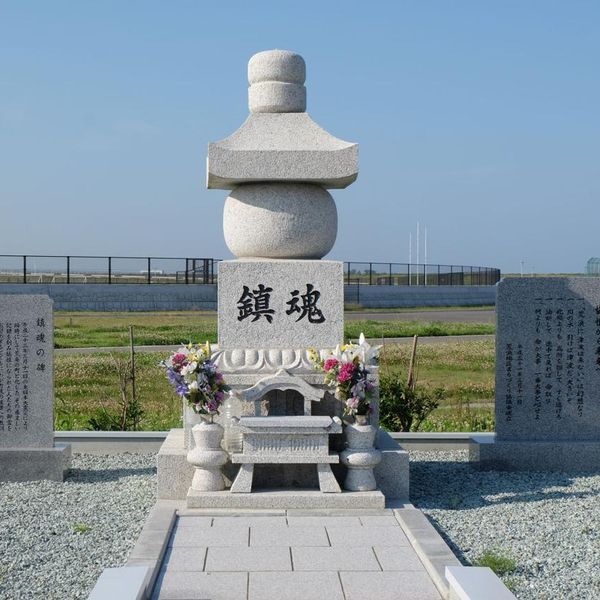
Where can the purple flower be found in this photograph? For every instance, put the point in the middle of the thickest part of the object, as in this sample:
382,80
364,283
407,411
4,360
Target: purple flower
181,389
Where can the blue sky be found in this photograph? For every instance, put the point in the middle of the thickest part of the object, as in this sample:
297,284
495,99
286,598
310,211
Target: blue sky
479,119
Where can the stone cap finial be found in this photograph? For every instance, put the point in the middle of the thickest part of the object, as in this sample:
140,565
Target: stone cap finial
276,80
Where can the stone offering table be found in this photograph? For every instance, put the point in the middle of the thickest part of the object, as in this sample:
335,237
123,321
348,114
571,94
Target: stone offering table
289,440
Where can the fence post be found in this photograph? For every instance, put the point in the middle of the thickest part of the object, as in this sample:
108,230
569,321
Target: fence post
390,281
408,271
451,275
24,269
68,269
109,269
149,274
370,273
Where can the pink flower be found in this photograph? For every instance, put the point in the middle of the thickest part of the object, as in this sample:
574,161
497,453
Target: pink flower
178,361
352,403
346,372
331,363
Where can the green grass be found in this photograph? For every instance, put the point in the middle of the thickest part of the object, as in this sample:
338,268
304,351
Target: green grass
99,330
81,527
86,383
501,563
465,371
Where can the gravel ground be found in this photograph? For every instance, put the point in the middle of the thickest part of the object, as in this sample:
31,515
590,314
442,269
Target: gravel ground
56,538
549,523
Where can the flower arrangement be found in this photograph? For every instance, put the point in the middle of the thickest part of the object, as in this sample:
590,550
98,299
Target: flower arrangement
346,369
195,376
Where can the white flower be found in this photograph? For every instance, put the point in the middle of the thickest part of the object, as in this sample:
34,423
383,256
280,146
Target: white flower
193,386
189,369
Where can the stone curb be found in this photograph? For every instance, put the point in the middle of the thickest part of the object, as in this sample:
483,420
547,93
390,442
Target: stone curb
429,546
152,542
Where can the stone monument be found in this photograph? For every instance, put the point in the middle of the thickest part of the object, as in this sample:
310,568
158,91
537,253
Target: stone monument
27,449
547,376
277,300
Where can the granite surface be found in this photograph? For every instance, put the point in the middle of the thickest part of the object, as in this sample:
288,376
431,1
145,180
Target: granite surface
548,359
251,316
26,372
280,220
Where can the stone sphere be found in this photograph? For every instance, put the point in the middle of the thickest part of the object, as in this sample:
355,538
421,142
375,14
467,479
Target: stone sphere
280,220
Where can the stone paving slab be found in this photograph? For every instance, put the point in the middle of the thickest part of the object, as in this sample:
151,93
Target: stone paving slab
288,536
388,586
211,536
334,559
379,521
248,559
325,585
323,521
367,536
254,521
398,558
184,585
304,555
186,559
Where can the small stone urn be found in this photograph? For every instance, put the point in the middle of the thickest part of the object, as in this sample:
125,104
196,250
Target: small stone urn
207,456
360,457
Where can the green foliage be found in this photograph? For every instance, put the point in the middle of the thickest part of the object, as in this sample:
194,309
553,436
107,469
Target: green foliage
402,408
498,561
86,330
130,412
81,527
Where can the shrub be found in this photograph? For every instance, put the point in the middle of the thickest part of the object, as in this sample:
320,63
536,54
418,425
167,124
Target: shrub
402,408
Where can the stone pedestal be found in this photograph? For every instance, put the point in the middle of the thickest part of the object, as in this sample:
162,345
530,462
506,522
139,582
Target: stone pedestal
360,457
207,457
280,304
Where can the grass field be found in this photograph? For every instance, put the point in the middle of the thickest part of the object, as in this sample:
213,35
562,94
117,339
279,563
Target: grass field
86,383
88,330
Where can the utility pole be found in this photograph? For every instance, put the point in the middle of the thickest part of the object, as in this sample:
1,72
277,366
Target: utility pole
425,274
417,252
409,257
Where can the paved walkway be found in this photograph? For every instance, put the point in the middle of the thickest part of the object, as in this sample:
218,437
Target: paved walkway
292,556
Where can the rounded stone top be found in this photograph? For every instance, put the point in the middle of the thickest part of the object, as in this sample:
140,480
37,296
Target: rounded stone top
276,82
277,65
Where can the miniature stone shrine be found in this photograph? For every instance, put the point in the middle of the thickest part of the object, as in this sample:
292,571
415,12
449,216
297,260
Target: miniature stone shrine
27,449
277,301
547,376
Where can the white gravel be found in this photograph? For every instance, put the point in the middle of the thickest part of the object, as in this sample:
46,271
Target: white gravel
549,523
56,538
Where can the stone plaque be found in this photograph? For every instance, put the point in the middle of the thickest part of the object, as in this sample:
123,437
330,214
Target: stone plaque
26,372
548,359
280,304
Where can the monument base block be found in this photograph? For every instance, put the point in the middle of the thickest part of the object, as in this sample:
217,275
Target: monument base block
535,456
34,464
285,499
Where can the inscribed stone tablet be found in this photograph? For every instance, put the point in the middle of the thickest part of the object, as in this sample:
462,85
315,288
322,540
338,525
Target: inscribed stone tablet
548,359
280,304
26,372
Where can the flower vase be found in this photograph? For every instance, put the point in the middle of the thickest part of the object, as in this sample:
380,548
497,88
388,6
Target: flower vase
207,456
360,457
190,418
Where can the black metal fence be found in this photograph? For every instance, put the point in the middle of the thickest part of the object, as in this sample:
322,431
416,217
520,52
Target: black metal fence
105,269
418,274
135,269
